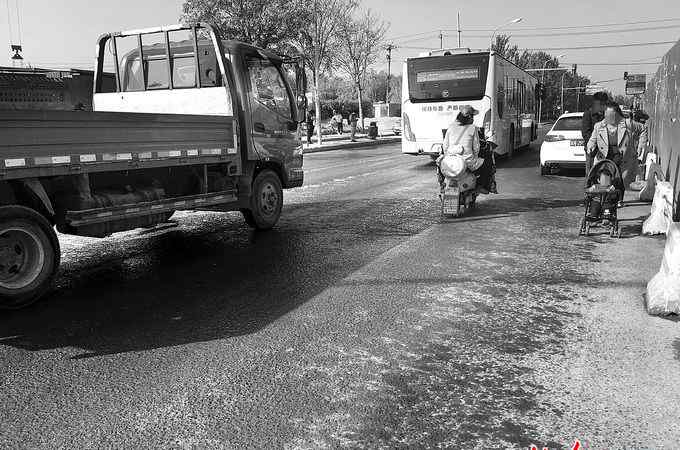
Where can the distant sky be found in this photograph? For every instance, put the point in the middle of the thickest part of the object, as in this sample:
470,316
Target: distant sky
58,33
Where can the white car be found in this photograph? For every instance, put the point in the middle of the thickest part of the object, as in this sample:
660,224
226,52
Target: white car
563,146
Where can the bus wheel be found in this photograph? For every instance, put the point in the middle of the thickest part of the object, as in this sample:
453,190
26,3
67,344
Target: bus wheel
266,201
511,142
29,256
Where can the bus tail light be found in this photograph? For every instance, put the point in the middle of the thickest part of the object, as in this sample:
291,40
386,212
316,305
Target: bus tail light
408,132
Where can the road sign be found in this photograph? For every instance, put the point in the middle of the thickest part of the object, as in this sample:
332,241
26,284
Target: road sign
636,84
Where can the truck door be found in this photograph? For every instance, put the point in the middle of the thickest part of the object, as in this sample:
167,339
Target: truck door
274,126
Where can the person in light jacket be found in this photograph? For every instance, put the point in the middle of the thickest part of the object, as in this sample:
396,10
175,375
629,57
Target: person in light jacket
620,140
462,138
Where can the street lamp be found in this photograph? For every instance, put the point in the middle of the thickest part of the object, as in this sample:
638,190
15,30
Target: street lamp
540,100
493,35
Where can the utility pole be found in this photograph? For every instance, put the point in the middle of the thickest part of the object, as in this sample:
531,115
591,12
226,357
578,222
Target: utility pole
389,73
459,41
562,94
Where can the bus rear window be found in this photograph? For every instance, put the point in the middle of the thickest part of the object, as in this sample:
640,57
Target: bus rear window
447,78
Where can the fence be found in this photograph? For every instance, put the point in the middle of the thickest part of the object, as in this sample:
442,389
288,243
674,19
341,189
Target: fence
662,102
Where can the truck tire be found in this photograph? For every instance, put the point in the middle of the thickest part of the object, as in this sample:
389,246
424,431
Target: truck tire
266,201
29,256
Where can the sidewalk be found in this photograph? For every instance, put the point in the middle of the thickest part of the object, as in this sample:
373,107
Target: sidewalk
343,142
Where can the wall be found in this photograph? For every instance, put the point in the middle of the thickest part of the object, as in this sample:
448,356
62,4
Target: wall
662,103
41,89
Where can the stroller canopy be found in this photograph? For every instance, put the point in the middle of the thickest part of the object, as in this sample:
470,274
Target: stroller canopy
612,168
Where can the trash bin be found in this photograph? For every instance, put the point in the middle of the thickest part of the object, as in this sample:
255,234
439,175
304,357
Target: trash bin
373,130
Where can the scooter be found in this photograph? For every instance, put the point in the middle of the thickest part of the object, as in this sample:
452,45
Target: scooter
458,196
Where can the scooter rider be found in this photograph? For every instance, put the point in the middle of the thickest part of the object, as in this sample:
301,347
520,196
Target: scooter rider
462,138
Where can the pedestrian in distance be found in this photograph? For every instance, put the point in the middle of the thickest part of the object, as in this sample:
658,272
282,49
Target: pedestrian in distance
593,115
338,120
619,140
353,119
309,122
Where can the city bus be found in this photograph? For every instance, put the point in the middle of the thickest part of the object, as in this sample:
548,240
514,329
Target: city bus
437,83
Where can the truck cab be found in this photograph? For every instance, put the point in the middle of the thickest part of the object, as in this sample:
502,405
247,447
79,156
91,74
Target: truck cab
190,70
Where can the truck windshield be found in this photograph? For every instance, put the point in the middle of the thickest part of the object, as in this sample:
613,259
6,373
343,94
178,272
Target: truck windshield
448,78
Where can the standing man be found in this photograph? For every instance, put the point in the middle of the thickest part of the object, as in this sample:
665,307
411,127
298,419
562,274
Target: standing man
353,119
310,126
338,119
593,115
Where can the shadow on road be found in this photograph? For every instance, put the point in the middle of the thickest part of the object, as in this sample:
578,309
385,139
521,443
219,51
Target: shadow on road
195,284
191,285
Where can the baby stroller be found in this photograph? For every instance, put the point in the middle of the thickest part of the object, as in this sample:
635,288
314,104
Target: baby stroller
603,192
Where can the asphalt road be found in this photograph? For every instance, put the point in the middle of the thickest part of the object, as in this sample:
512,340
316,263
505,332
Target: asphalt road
363,320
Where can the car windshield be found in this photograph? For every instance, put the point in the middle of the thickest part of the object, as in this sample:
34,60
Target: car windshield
568,124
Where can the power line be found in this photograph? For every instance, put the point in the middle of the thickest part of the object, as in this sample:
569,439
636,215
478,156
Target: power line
576,27
637,44
424,38
581,33
618,64
656,58
412,35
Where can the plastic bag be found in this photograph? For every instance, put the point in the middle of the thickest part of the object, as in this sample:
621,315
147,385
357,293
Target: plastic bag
663,291
661,214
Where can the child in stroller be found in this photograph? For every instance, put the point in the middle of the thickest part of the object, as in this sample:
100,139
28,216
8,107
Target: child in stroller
603,192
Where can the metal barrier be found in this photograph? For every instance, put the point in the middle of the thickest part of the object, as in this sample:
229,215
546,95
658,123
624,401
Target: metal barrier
662,102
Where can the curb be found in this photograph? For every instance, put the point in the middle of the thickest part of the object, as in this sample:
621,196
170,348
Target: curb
352,145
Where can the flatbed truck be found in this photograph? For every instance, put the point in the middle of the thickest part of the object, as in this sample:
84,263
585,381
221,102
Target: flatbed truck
193,122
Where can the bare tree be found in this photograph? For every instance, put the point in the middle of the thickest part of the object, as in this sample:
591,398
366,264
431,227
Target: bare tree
264,23
360,44
318,40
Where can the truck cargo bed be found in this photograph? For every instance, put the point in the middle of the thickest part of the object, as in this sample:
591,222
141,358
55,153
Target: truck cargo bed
46,143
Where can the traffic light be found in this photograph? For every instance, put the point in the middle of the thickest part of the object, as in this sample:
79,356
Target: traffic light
573,69
625,75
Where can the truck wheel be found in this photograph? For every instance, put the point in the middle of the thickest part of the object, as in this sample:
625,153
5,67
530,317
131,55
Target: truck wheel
29,256
266,201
